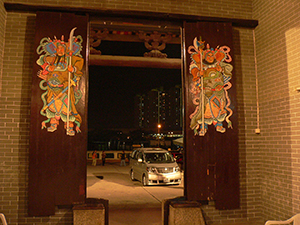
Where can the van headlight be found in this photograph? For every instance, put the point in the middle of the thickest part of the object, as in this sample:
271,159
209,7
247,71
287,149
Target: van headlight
151,169
176,169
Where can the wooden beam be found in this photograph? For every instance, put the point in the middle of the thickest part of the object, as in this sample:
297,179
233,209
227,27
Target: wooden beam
153,16
130,61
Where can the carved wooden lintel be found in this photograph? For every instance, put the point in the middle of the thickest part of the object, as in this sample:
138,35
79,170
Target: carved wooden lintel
96,36
154,41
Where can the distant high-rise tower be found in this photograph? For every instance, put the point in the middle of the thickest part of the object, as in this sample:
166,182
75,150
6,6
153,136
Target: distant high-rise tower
174,109
159,107
139,111
152,109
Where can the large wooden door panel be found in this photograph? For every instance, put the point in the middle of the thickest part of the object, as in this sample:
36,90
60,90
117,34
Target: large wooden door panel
211,132
58,133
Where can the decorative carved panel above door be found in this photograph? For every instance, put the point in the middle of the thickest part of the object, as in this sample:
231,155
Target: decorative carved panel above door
154,39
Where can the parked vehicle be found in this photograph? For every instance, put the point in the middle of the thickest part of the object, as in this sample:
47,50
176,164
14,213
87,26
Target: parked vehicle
154,166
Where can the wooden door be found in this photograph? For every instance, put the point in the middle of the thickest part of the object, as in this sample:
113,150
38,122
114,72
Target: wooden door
211,126
58,132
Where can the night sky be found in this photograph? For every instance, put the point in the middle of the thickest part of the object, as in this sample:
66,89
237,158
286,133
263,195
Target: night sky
112,91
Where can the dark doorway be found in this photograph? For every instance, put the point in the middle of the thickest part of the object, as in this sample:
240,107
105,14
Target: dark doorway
111,114
129,60
112,91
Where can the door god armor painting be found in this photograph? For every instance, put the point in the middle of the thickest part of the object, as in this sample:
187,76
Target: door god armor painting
212,72
61,70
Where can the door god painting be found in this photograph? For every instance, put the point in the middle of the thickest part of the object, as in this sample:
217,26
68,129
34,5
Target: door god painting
212,72
61,70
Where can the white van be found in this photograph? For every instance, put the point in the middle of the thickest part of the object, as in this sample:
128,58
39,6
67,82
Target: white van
154,166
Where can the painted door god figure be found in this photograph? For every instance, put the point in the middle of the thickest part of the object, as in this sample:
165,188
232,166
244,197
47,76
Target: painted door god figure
61,72
211,73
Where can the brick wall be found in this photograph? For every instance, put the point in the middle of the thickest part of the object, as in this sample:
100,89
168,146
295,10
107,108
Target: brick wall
220,8
2,29
14,112
2,160
15,107
278,70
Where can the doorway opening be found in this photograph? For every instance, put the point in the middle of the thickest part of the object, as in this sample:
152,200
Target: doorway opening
131,92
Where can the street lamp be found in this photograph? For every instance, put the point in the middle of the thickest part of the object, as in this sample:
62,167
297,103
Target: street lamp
158,135
158,128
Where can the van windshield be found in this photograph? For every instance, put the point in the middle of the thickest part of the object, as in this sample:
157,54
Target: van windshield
159,157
